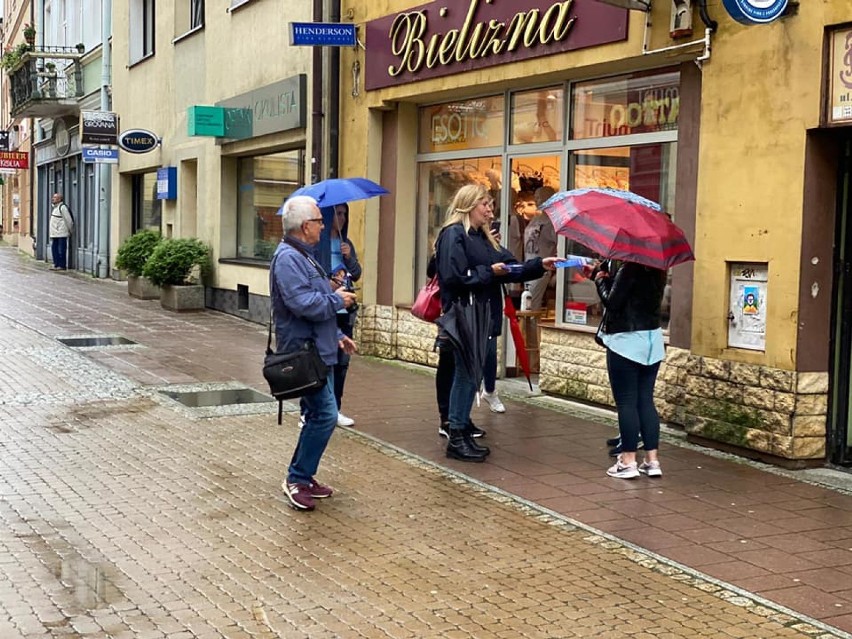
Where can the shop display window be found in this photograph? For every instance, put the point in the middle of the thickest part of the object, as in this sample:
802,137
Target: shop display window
648,170
438,181
147,209
537,116
264,182
625,105
463,125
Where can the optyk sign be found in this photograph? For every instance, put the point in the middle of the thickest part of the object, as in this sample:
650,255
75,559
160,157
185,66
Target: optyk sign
755,11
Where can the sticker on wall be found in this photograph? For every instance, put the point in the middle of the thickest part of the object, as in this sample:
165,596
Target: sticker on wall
747,311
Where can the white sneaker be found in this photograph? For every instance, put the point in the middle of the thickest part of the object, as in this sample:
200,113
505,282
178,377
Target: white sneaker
493,401
651,468
623,471
301,420
343,420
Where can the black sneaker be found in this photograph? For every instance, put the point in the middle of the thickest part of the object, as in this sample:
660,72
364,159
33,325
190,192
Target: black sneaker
474,430
616,450
613,441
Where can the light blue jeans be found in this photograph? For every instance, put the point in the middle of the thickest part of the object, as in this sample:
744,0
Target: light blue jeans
320,421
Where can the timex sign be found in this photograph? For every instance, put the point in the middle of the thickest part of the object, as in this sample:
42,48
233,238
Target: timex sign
138,141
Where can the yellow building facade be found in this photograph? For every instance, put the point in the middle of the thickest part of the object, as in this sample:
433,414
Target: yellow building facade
229,99
736,124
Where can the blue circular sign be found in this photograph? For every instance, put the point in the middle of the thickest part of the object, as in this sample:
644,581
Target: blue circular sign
755,11
138,141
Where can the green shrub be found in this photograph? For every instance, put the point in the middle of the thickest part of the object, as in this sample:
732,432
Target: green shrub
135,251
174,262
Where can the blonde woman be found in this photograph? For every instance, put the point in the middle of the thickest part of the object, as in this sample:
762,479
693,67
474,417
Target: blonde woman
471,265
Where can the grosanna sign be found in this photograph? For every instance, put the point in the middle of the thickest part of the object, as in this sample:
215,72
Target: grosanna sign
444,38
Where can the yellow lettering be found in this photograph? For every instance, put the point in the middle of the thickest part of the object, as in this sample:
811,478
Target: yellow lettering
464,51
530,32
516,28
406,43
448,45
563,24
491,43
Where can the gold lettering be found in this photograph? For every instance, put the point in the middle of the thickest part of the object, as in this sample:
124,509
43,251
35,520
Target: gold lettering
432,51
674,111
475,45
406,41
463,50
515,29
491,43
530,33
563,25
448,45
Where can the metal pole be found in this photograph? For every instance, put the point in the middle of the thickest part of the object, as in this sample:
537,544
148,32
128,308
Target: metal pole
104,170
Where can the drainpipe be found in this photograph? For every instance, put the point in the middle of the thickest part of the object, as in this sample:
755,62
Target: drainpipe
104,170
316,104
334,99
33,169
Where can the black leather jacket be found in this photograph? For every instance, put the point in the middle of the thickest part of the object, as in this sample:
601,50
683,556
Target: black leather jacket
632,298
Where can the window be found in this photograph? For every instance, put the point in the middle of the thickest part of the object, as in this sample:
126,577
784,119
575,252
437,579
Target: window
189,16
147,209
538,116
454,126
141,29
264,182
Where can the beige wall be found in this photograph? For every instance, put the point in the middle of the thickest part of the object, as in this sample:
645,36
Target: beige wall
234,53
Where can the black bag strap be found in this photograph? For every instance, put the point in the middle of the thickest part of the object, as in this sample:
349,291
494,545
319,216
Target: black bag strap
310,259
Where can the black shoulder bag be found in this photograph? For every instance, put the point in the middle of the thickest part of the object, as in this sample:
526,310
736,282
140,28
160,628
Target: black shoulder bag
298,372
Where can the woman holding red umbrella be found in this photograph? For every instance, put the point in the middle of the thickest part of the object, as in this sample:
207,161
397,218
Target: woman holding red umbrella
631,331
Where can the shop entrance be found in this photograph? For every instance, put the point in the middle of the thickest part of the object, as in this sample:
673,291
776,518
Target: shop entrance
528,233
840,409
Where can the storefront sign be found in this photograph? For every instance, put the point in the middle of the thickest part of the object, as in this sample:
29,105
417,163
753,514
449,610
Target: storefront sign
755,11
468,124
322,34
840,77
205,121
138,141
441,39
98,127
99,155
167,183
280,106
14,160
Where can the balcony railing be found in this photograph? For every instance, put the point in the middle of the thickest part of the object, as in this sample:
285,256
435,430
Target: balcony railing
47,83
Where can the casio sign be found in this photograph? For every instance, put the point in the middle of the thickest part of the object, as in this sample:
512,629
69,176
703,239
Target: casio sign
138,141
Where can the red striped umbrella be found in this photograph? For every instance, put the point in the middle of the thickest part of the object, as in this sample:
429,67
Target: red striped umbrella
619,225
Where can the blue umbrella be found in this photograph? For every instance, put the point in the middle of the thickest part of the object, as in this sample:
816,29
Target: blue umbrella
341,190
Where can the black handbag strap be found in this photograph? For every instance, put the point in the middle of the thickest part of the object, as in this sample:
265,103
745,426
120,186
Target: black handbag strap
310,259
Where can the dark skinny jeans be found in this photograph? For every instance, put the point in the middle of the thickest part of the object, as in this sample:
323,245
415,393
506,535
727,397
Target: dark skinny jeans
633,389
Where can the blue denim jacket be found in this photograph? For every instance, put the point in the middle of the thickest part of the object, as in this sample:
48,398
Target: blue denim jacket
303,303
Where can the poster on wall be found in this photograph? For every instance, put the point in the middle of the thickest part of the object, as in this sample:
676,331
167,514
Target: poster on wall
747,313
840,77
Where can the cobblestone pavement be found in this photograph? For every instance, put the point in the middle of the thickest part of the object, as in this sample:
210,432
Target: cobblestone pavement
123,515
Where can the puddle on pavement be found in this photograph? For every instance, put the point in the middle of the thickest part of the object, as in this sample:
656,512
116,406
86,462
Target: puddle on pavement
226,397
83,342
87,583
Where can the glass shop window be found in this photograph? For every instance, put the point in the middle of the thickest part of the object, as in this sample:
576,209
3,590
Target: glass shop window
459,126
538,116
264,182
147,209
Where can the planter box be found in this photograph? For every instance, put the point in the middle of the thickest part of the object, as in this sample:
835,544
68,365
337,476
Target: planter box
182,298
142,288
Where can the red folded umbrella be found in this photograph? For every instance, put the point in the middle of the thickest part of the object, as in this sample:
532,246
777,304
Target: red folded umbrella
517,337
619,225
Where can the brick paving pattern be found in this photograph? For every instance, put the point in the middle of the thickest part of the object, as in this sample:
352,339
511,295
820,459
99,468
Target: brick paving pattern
123,517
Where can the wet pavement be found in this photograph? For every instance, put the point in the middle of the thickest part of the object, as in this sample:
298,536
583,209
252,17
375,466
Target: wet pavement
124,513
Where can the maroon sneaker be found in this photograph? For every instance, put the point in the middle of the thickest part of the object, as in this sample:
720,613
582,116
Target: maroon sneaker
318,491
299,495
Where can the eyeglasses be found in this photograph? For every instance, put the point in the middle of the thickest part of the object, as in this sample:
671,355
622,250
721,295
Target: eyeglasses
315,219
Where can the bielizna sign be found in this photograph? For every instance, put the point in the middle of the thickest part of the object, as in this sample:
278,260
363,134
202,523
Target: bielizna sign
755,11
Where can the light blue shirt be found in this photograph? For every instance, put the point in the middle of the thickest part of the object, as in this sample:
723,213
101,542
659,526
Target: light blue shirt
336,255
642,347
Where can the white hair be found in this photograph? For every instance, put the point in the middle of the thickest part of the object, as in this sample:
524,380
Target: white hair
296,211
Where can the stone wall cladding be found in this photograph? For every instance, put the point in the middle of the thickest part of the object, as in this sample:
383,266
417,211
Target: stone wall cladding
769,410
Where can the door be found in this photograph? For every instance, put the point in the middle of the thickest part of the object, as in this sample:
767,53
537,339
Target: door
840,415
527,233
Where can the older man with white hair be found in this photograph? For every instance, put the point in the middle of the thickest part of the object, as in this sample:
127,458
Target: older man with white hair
305,308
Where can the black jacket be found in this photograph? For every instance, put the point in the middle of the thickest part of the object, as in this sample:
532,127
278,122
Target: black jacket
632,298
463,264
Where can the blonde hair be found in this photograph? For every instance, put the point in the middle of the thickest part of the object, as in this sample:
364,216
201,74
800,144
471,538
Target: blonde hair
463,202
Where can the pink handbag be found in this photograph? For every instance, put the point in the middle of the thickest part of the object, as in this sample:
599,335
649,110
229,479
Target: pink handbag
427,306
